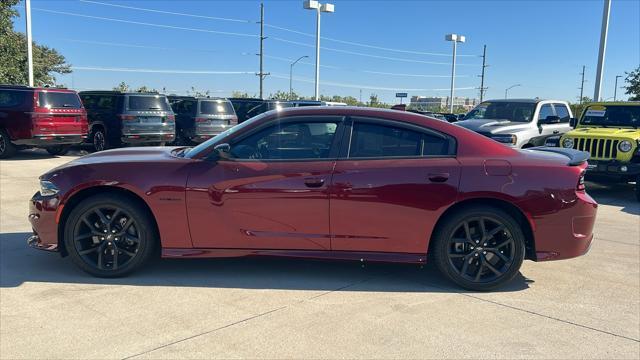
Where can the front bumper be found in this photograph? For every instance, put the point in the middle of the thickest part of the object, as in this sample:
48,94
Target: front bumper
45,140
43,216
613,167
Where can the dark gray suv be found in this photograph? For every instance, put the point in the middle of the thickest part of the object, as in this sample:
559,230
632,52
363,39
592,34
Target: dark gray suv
118,118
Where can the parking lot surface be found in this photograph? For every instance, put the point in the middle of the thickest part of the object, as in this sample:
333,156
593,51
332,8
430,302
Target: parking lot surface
588,307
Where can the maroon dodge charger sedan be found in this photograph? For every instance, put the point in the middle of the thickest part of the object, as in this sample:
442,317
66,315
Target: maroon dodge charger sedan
332,183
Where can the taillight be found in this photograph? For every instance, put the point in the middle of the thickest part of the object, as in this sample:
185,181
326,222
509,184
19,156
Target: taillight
127,117
171,117
201,119
581,186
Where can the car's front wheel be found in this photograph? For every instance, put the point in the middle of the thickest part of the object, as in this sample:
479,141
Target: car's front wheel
7,149
479,248
109,235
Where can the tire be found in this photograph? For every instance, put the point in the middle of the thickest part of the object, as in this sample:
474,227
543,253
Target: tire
108,235
99,139
7,149
492,259
181,140
58,150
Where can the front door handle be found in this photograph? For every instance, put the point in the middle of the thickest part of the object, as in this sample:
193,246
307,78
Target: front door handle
439,177
556,132
314,182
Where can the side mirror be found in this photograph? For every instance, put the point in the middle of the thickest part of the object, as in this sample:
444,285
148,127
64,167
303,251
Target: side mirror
221,151
573,122
551,119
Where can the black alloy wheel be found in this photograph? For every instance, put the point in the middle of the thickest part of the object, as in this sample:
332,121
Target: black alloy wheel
479,248
109,235
99,140
7,149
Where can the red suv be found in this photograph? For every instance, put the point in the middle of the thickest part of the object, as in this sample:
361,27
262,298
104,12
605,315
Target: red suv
49,118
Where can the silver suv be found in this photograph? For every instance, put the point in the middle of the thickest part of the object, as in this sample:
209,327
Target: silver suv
519,123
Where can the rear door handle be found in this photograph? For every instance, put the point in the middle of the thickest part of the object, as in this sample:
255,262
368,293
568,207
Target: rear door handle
439,177
314,182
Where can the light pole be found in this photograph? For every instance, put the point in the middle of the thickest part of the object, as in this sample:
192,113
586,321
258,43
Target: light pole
615,88
27,8
329,8
603,48
291,76
455,38
506,91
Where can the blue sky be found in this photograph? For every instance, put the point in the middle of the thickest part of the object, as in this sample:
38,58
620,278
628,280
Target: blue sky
539,44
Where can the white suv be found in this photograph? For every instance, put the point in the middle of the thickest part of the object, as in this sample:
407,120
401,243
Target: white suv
519,123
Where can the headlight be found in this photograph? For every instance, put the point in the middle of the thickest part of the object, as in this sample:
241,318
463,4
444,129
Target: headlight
505,139
567,143
47,188
625,146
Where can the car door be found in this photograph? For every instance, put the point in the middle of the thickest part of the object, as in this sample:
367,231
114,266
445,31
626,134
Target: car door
271,192
390,185
547,129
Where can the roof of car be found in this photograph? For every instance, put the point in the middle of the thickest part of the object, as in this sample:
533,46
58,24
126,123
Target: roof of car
24,87
182,97
615,103
532,101
116,92
254,99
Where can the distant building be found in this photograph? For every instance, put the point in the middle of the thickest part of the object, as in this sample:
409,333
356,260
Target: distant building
438,103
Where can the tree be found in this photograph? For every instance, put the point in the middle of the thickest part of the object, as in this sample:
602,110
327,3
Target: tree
13,47
282,95
633,79
123,87
239,94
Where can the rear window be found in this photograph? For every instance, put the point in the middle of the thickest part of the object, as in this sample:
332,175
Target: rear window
148,102
58,100
216,107
12,98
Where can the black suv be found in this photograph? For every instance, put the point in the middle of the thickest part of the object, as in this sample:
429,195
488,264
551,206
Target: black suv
200,118
247,108
118,118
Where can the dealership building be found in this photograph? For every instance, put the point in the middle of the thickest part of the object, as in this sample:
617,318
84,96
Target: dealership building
436,103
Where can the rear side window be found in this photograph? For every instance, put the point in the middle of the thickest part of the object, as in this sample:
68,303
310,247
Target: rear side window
59,100
216,107
148,103
13,98
562,112
370,140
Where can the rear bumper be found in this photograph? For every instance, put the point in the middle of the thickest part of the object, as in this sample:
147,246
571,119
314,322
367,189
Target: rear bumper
45,140
612,168
147,138
567,232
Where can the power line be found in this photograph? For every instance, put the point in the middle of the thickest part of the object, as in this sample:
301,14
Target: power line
165,12
147,24
273,27
162,71
105,43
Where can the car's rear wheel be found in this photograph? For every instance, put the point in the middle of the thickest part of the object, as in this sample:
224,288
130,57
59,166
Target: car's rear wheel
479,248
109,235
99,139
7,149
58,150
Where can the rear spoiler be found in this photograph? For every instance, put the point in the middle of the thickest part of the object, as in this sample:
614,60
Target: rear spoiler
576,157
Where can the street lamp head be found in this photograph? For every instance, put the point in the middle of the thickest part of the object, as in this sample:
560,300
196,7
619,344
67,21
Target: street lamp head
328,8
311,5
455,37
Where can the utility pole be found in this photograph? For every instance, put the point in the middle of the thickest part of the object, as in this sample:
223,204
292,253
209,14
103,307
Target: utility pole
27,6
484,65
615,88
261,74
603,49
582,85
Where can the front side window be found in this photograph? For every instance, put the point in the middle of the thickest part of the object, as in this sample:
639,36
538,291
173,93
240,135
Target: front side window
288,141
370,140
545,111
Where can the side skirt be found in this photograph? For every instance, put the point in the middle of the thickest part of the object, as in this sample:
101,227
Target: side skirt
302,254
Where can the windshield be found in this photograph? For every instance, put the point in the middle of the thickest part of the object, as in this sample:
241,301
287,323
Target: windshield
220,107
216,139
53,100
148,102
612,115
503,110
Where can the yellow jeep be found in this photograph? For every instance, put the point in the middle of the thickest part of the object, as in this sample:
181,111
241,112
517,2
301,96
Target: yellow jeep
609,132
